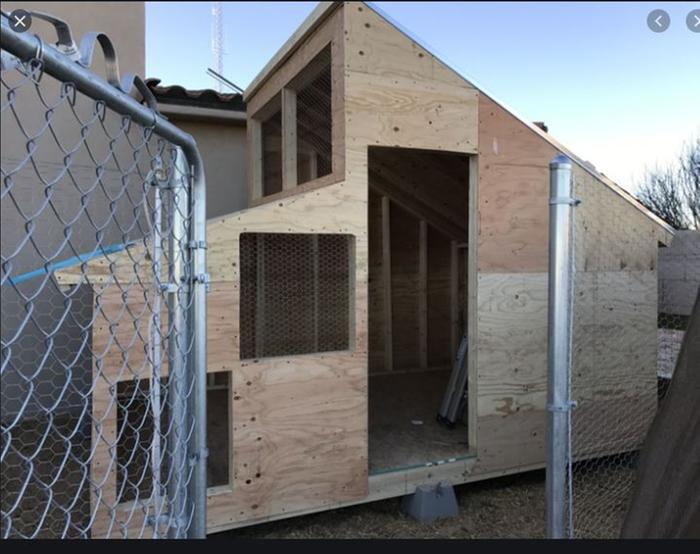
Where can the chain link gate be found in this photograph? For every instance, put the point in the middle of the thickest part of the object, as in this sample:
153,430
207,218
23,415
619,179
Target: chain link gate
103,301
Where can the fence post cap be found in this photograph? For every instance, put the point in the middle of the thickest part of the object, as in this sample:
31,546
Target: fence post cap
560,161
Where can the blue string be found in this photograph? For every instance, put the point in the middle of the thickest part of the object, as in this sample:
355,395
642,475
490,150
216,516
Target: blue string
75,260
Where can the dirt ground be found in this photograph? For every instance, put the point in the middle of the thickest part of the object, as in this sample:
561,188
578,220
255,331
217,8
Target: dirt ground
509,507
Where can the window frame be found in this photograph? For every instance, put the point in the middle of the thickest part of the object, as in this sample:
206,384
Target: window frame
351,307
285,98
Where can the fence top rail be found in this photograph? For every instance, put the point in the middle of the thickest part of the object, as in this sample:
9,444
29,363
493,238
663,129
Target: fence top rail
28,46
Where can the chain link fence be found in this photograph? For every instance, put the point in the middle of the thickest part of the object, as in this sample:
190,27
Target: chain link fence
631,301
102,411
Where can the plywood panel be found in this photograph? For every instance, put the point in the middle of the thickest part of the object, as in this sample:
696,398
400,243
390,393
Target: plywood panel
411,114
310,412
513,205
513,442
513,193
614,373
399,95
512,343
299,436
376,46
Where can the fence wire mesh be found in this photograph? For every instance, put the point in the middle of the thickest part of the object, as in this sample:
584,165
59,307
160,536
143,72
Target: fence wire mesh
96,317
631,302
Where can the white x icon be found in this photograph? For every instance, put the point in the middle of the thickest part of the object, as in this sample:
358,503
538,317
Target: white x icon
19,21
697,21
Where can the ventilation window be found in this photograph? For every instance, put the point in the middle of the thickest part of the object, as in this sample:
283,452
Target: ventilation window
271,133
295,294
314,121
137,450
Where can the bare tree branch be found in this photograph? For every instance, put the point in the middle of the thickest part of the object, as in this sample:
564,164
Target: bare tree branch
673,193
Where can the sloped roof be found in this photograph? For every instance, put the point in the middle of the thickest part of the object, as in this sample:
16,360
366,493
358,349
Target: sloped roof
324,9
202,98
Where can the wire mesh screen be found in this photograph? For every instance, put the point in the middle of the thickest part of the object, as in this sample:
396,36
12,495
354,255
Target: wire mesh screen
314,119
96,214
623,352
295,293
271,130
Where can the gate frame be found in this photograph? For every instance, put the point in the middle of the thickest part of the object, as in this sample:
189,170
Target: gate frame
75,69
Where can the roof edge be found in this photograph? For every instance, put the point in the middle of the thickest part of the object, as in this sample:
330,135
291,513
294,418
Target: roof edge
308,26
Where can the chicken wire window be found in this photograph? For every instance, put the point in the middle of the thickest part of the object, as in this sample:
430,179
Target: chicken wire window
295,293
271,139
314,120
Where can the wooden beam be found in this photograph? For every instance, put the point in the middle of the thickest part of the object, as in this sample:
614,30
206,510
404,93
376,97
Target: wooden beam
289,139
386,282
413,206
409,174
255,191
313,165
454,298
472,284
423,293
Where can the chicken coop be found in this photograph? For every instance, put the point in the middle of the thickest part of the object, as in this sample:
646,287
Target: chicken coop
396,212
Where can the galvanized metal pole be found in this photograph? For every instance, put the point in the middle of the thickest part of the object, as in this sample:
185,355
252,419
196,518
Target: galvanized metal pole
198,398
559,345
178,347
155,340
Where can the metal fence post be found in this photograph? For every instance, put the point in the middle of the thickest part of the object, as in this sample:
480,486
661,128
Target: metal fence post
561,206
198,399
178,300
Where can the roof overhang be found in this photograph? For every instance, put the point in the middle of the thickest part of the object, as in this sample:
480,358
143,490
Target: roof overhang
196,113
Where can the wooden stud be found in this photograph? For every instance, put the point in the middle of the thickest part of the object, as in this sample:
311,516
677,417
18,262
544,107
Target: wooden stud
472,301
454,298
313,165
256,160
423,293
289,139
386,282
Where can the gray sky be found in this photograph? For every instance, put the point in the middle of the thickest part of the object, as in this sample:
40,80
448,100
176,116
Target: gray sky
615,93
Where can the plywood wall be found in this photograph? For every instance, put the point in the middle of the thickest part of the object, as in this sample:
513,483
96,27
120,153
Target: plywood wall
398,94
615,325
